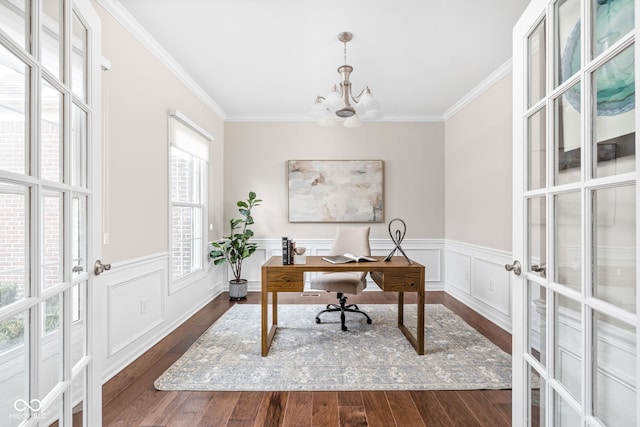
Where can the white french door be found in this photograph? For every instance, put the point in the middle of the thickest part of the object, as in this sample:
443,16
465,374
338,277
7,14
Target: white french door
575,198
49,212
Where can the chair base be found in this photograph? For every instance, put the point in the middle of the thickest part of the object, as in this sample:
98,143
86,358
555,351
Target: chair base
343,307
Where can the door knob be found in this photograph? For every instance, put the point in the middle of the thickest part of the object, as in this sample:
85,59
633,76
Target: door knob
539,269
515,267
99,267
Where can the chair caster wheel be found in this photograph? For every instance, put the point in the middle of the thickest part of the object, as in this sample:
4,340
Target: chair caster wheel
369,321
344,329
317,320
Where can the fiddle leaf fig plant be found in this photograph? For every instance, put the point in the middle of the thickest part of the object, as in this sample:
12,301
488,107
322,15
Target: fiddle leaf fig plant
235,247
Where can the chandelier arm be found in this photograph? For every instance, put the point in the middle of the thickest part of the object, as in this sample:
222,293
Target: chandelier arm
356,98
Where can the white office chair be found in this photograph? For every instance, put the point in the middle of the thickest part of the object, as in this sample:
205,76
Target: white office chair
354,240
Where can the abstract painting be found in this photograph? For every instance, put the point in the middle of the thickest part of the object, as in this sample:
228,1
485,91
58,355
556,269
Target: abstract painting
336,191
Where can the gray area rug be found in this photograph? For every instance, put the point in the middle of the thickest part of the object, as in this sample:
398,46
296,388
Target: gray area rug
309,356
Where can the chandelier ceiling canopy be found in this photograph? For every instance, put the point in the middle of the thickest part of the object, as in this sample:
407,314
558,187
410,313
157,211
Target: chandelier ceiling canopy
328,110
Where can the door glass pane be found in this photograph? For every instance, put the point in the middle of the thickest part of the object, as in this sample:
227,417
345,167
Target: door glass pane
537,216
568,136
568,247
50,133
78,236
52,416
50,345
14,250
14,20
13,105
568,344
564,415
614,248
536,398
52,235
614,371
537,150
14,365
537,331
78,323
568,43
614,124
78,399
537,75
612,20
51,30
78,147
78,58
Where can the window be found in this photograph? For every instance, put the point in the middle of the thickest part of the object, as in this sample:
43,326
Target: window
188,156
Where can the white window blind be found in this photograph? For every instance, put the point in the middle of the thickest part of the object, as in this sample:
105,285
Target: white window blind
189,137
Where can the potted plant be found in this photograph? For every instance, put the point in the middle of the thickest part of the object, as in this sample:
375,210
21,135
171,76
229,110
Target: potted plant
234,248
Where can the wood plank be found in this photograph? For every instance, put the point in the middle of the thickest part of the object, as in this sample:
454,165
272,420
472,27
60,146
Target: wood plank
429,408
136,400
350,398
165,409
272,408
219,409
377,409
325,409
481,408
299,409
501,399
352,416
403,409
247,407
455,409
191,411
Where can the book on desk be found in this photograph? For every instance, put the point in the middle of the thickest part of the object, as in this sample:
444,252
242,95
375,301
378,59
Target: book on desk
343,259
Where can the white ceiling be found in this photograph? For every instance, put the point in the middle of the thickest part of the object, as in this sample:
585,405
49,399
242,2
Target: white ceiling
269,59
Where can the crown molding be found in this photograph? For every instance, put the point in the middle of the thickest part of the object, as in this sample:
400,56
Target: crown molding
121,15
307,118
493,78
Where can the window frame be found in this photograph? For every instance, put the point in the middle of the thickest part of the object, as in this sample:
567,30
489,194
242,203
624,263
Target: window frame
184,280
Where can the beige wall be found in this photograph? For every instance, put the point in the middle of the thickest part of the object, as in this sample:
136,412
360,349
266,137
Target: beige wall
256,154
140,91
478,169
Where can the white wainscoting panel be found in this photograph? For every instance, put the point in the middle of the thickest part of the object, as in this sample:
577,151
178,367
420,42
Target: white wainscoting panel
136,306
476,276
141,310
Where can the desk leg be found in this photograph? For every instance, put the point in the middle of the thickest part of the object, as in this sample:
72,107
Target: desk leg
420,326
416,341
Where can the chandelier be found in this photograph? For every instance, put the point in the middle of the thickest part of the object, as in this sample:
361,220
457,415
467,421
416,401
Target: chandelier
328,110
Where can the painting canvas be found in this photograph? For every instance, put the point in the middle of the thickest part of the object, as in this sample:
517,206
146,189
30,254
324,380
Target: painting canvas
336,191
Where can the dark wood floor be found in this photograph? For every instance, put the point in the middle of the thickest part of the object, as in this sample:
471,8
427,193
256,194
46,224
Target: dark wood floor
129,399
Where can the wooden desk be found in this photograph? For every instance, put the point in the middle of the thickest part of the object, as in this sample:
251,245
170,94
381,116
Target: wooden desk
397,276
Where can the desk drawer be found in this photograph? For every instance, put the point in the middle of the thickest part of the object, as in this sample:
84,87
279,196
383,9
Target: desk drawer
401,281
285,280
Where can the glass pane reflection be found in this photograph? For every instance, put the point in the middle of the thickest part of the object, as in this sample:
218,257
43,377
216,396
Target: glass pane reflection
568,344
536,398
14,365
13,120
564,415
567,136
567,235
614,148
568,43
614,250
614,371
612,20
537,150
536,49
537,330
